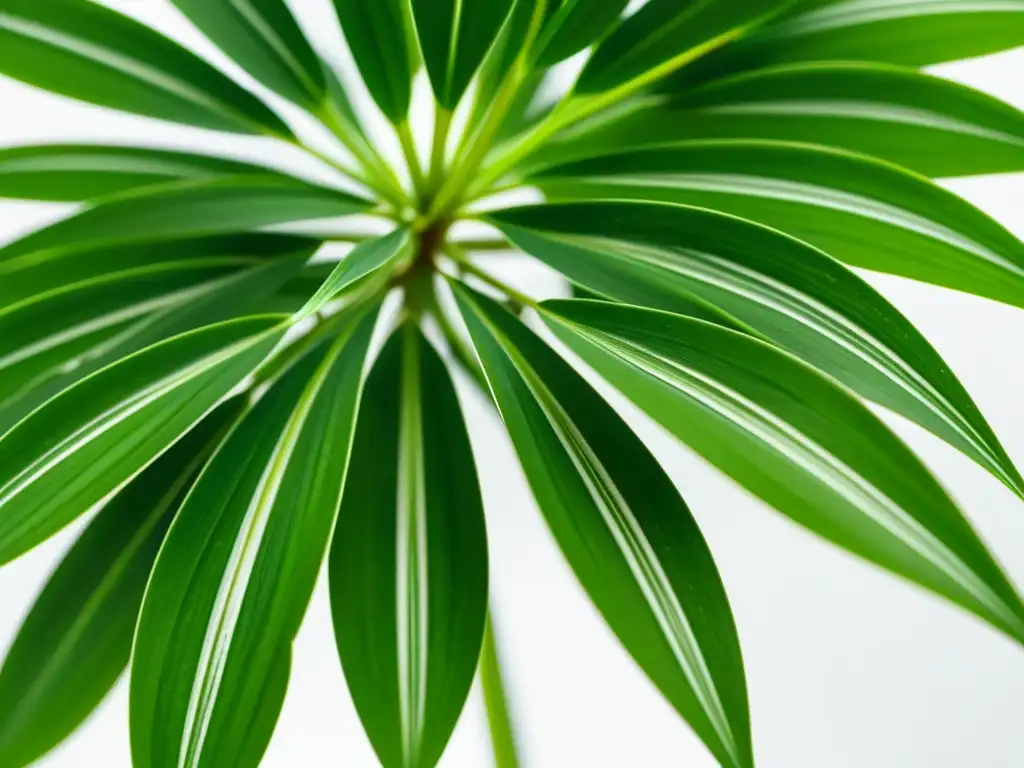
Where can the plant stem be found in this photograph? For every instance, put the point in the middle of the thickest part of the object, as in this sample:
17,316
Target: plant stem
411,157
365,153
484,245
498,718
442,126
469,267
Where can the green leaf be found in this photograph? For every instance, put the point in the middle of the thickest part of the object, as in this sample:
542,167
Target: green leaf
235,575
365,259
409,619
70,173
665,34
54,340
662,256
575,25
499,60
376,35
864,212
455,35
76,640
88,52
911,32
264,38
56,268
795,439
622,526
188,209
927,124
94,437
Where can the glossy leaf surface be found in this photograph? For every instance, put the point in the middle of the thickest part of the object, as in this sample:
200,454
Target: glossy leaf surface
408,566
625,531
795,439
232,582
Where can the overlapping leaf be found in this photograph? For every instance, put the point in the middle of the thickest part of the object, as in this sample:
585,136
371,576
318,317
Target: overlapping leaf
665,256
797,440
408,566
264,38
92,438
76,640
622,525
575,25
924,123
234,577
861,211
83,50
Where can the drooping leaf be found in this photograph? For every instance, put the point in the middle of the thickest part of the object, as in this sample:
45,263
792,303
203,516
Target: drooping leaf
454,37
665,34
797,440
76,640
661,256
376,35
92,438
575,25
233,579
264,38
409,617
188,209
83,50
50,342
71,173
864,212
622,526
927,124
365,259
22,278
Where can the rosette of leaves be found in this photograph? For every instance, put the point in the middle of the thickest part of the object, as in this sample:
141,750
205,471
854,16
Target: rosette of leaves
232,407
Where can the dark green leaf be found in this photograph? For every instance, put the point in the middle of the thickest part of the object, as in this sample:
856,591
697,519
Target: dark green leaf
623,527
85,51
796,439
76,640
864,212
376,35
575,25
54,340
665,34
409,619
263,37
499,60
454,37
94,437
233,579
662,256
924,123
365,259
188,209
71,173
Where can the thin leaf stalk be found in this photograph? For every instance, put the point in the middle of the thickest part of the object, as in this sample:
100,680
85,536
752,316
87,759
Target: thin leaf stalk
499,719
412,158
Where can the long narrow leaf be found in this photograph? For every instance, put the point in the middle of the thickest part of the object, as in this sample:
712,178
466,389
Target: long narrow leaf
622,526
408,566
797,440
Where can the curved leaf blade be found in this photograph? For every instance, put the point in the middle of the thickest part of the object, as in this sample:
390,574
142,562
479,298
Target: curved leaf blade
408,566
263,37
622,526
188,209
233,579
795,439
376,35
861,211
927,124
454,36
88,52
70,173
664,256
77,639
91,439
575,25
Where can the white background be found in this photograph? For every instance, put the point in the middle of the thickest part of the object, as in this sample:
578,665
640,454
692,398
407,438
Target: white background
847,667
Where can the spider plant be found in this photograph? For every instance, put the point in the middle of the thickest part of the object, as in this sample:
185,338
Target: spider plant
222,391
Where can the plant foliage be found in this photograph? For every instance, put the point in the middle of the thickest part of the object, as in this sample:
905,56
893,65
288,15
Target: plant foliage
215,387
